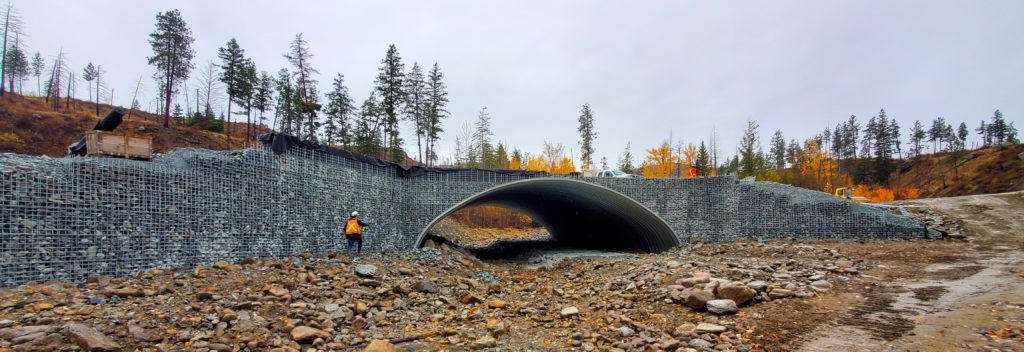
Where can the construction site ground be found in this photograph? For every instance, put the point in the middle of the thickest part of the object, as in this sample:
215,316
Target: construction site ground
918,295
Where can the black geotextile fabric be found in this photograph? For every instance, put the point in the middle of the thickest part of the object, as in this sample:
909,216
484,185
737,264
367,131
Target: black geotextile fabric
108,123
281,143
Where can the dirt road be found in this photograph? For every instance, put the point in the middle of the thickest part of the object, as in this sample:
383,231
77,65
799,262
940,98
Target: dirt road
971,298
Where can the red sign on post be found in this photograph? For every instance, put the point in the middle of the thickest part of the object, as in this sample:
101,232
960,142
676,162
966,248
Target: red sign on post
693,171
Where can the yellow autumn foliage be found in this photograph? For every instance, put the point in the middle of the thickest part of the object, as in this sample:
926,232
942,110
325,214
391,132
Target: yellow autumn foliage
564,166
537,163
515,163
816,167
660,162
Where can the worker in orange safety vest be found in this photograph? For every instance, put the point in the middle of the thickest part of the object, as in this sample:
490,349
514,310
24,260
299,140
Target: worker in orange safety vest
354,232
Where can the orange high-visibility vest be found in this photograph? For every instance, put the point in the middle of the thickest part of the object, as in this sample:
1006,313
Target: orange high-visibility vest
352,227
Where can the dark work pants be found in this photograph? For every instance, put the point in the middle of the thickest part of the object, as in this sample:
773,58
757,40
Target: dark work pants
352,241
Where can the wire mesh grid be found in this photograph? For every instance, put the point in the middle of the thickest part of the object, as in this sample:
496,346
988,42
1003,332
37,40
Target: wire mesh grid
70,218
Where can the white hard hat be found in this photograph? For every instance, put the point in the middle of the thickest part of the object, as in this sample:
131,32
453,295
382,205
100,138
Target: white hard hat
355,213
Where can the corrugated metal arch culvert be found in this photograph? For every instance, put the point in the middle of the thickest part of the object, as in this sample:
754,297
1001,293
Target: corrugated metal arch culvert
577,213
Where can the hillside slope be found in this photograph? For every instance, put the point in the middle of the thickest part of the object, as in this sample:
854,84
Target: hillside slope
980,171
29,126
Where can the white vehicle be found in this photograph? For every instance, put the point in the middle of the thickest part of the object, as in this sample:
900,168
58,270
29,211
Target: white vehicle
615,174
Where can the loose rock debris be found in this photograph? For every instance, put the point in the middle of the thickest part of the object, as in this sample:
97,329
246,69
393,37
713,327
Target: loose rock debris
428,300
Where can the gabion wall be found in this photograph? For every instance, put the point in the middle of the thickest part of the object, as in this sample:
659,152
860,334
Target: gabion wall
71,217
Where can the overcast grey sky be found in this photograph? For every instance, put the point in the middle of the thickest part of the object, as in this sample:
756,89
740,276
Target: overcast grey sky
646,67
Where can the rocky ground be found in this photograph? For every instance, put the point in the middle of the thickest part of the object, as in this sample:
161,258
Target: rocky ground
964,292
474,238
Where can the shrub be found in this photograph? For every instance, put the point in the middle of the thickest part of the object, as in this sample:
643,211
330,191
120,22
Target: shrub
10,139
206,124
214,126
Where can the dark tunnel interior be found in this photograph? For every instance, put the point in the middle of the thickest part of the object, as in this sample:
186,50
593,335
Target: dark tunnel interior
579,214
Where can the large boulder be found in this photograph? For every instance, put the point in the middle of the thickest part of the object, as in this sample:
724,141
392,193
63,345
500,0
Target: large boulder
305,333
739,293
366,270
698,299
569,312
90,339
426,286
722,306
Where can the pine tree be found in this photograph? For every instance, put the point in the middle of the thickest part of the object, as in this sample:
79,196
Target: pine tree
518,160
750,145
340,107
367,132
587,135
248,81
868,138
416,105
703,162
838,142
961,134
262,98
626,161
957,141
882,146
305,85
938,134
172,54
232,67
89,74
438,98
390,87
851,134
1011,134
38,64
501,157
986,134
917,135
793,152
999,129
777,153
482,139
894,138
18,65
177,114
283,108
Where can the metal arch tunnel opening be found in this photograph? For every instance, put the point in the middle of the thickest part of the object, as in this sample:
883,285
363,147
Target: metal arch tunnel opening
578,214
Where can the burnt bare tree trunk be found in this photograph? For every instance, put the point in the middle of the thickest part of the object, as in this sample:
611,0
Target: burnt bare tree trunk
67,97
97,93
134,96
3,54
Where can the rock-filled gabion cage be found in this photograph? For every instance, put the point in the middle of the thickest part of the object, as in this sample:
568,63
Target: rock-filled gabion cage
69,218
